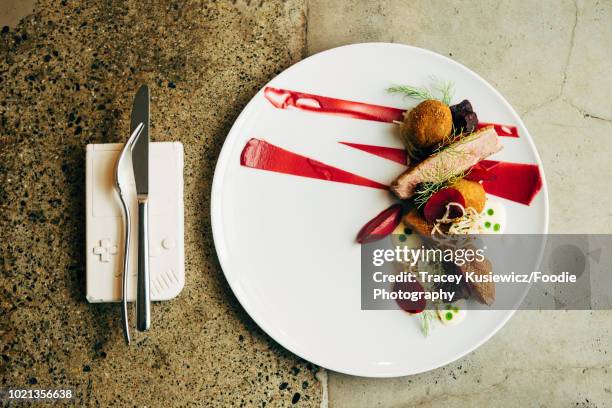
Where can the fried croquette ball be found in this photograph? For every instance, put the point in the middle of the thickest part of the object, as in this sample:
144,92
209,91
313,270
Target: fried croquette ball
428,124
473,193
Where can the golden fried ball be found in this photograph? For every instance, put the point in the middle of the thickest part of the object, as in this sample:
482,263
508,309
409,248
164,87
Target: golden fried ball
428,124
473,193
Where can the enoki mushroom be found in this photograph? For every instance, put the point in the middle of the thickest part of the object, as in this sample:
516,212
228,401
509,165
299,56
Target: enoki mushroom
466,223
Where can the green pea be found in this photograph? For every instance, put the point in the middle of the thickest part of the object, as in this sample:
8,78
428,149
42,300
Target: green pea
490,211
496,227
407,231
402,238
449,316
487,224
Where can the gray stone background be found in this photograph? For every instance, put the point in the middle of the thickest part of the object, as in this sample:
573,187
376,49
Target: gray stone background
553,61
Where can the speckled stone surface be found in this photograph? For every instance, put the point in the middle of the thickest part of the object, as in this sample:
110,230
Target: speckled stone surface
68,73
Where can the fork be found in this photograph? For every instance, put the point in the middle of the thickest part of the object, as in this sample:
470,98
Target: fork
119,186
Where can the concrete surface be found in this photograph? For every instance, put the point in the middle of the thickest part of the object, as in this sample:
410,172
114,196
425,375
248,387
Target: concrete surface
552,60
12,11
68,73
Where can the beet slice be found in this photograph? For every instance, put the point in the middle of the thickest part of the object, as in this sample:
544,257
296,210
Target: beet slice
409,305
381,225
436,205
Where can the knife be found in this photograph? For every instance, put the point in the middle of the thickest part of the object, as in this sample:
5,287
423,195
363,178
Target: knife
140,163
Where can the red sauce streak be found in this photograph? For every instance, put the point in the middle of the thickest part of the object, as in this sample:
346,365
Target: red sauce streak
287,99
479,172
389,153
262,155
517,182
502,130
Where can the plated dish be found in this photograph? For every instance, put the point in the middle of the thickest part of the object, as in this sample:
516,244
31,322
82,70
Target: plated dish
314,156
443,198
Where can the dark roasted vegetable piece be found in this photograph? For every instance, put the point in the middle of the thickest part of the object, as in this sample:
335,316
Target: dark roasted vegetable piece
464,117
463,106
469,122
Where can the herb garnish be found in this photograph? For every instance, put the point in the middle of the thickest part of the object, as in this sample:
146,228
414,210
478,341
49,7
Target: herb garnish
414,92
429,188
441,90
455,136
427,319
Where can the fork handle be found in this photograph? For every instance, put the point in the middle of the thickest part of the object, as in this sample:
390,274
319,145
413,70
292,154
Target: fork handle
143,296
127,222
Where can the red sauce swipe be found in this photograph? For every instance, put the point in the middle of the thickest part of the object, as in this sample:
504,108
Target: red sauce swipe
259,154
287,99
518,182
284,99
389,153
501,130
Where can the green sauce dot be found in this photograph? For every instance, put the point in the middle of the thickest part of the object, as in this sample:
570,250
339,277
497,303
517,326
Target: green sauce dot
449,316
490,211
402,238
496,227
487,224
407,231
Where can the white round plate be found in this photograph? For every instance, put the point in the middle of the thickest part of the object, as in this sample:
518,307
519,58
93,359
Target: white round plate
287,244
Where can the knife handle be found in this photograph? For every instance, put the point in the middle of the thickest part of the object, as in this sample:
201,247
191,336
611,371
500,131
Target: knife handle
143,296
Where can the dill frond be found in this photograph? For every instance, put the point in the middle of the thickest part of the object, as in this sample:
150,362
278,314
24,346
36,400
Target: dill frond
414,92
456,139
446,89
449,140
441,90
441,180
428,317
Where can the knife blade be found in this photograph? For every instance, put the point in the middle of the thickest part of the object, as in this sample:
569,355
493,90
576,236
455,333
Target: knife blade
140,151
140,164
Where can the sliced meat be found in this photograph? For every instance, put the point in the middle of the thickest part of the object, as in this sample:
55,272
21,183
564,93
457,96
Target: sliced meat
454,159
482,292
